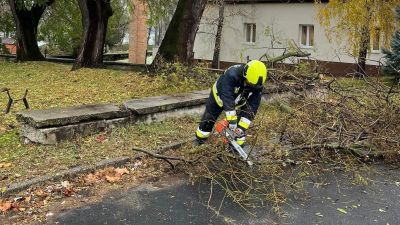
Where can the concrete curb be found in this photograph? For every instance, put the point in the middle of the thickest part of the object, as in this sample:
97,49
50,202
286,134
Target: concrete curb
73,172
70,173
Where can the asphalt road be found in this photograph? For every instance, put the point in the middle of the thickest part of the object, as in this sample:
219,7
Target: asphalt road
329,199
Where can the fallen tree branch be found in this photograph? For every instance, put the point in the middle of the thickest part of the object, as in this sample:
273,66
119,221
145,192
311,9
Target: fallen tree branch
166,158
287,55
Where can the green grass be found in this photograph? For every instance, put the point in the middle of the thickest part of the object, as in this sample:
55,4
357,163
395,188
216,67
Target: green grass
55,85
33,160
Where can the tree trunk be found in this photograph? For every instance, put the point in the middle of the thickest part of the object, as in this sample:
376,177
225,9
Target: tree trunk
217,48
364,44
362,54
179,39
95,15
26,22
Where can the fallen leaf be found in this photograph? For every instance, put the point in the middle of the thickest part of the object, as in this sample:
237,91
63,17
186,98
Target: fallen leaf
121,171
381,210
342,210
65,184
100,138
319,214
113,179
15,206
5,165
18,199
67,192
5,206
91,178
28,199
41,193
137,164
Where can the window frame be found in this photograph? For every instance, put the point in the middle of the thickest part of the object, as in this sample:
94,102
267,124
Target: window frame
309,41
253,33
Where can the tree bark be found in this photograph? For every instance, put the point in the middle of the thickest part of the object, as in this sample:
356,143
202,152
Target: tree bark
95,15
26,22
364,44
179,39
217,48
363,51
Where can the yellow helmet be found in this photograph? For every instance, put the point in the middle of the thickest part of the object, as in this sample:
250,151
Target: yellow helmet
256,73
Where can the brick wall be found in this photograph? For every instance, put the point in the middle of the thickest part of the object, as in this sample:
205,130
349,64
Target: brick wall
11,48
138,34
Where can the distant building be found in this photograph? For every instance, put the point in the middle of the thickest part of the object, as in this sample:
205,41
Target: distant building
253,28
9,43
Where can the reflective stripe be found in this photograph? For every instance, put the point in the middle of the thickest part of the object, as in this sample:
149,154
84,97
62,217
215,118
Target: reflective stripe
231,115
241,140
215,94
202,134
245,123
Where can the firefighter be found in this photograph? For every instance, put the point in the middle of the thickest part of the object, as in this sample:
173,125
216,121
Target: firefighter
237,92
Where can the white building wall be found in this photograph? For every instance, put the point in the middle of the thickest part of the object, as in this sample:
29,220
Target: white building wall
285,20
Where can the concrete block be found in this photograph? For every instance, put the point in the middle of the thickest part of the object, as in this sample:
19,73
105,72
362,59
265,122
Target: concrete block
173,113
55,125
157,104
72,115
54,135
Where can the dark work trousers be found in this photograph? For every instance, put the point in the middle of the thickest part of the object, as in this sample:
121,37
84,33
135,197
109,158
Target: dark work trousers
211,114
213,110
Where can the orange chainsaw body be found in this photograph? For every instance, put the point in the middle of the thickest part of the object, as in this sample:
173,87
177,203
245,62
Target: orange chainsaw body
220,128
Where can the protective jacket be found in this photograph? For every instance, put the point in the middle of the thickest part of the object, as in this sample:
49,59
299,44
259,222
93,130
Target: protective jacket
231,93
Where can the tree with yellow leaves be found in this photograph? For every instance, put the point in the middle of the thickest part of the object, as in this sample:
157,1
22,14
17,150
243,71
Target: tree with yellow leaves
358,22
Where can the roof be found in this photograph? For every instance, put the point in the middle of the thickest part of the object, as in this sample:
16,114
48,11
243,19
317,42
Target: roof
7,41
270,1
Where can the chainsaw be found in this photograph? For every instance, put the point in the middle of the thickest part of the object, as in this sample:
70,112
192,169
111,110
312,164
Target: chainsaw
229,136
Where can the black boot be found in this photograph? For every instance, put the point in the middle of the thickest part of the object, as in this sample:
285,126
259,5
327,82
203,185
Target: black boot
198,141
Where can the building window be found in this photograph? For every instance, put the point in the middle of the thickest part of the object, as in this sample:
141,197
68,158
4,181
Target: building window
307,35
375,42
250,32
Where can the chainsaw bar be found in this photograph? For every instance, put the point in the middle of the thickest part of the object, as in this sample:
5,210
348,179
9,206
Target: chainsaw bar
231,138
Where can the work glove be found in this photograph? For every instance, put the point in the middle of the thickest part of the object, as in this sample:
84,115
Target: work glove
240,136
239,132
232,119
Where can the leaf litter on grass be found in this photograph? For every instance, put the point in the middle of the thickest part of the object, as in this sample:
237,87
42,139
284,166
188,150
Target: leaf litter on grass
33,160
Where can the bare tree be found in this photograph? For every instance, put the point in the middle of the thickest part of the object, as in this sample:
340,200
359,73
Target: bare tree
218,37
